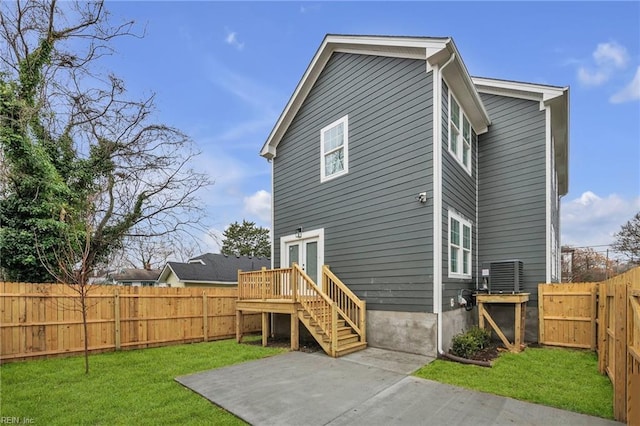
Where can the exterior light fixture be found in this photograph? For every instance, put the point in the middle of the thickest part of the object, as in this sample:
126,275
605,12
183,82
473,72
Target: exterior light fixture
299,232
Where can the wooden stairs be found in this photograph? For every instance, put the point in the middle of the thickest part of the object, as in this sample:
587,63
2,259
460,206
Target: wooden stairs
348,340
333,314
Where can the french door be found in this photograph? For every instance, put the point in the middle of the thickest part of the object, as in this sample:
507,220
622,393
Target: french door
306,251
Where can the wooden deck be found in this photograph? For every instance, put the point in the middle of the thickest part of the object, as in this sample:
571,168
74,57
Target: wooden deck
334,316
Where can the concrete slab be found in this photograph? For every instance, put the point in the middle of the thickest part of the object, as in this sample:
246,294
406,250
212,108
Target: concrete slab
415,401
371,387
398,362
291,389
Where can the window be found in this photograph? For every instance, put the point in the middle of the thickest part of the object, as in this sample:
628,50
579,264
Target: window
460,134
459,246
334,157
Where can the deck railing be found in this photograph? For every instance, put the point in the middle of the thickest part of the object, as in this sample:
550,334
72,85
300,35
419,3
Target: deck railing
350,307
325,303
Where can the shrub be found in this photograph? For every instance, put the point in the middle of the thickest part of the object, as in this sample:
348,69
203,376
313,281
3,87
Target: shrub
468,344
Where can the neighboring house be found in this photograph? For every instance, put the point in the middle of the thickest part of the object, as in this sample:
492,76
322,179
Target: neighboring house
134,277
209,270
404,174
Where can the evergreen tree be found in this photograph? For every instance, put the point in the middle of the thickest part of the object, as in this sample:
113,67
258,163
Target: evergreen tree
246,239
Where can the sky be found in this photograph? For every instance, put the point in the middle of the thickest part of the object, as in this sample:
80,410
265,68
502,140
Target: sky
223,72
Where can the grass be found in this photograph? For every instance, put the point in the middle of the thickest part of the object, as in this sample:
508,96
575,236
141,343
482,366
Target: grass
128,387
561,378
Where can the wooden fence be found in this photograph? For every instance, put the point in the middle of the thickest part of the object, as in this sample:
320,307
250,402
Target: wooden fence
39,320
605,316
567,314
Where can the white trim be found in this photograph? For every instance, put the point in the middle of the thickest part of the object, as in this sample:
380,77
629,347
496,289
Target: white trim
517,89
463,115
437,196
547,155
435,51
273,220
194,261
306,235
452,214
345,149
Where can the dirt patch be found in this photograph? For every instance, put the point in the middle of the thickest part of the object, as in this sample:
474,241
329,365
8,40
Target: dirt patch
489,353
285,343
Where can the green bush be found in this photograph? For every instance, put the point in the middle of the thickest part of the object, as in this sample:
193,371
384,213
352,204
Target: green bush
468,344
483,336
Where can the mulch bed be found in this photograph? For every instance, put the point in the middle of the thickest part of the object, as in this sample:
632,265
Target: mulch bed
489,353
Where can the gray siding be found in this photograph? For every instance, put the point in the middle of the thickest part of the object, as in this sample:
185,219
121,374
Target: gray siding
512,213
459,194
378,237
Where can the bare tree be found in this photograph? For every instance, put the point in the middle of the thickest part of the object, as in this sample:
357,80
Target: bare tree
627,240
133,175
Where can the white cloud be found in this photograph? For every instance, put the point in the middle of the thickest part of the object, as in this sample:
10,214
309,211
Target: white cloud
608,58
592,78
611,54
232,39
259,205
591,220
631,92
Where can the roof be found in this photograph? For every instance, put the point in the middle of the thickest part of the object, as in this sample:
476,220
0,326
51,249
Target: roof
213,268
435,51
556,99
137,275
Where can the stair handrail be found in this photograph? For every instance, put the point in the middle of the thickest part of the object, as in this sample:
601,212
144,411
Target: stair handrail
359,328
328,330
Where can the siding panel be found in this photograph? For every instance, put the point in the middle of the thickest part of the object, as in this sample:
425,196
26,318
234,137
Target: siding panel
377,236
512,181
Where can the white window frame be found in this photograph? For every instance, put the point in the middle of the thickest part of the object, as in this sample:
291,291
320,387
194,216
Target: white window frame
459,248
345,147
460,141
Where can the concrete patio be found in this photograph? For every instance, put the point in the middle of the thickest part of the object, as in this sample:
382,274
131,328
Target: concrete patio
370,387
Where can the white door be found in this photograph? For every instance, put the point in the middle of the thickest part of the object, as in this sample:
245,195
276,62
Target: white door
305,254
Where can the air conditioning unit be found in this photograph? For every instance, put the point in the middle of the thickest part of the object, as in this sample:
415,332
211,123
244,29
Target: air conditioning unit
504,276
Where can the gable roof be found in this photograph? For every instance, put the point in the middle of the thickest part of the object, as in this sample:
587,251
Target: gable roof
435,51
554,97
211,267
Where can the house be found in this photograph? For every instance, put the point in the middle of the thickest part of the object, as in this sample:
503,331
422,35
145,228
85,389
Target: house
405,174
134,277
209,270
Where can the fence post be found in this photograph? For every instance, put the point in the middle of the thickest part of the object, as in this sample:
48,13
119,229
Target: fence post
116,308
205,319
541,313
620,353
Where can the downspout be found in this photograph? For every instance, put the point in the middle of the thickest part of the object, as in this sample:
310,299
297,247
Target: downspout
477,216
437,198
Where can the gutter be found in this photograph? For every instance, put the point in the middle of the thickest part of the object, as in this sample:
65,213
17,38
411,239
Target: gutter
437,197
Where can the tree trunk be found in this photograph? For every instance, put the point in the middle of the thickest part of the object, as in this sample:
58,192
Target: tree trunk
83,304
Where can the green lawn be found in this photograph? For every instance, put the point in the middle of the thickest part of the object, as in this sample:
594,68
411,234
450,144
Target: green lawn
128,387
562,378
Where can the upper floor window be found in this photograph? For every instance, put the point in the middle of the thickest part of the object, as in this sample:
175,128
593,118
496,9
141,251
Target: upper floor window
334,149
459,246
460,134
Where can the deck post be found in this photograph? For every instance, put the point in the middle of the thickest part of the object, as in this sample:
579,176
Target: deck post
295,332
263,284
294,282
265,328
334,330
363,321
239,325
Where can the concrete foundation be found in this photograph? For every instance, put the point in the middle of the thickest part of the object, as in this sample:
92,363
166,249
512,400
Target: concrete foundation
412,332
455,322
